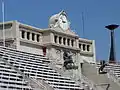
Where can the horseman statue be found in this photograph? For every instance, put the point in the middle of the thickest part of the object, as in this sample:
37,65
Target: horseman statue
101,69
68,61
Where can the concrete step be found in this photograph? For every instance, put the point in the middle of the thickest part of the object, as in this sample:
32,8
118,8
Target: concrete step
100,80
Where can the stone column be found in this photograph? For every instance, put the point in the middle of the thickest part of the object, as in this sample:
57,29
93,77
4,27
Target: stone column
81,47
66,42
70,43
21,34
74,43
79,61
57,40
35,37
30,36
25,35
51,37
85,47
17,34
62,41
41,38
77,43
93,50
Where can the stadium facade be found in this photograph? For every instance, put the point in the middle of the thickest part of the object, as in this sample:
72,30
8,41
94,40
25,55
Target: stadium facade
32,58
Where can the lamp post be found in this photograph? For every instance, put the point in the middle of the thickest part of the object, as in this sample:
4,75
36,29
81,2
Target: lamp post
112,57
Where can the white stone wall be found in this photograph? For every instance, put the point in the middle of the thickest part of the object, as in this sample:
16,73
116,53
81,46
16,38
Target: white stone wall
31,49
9,32
87,58
46,37
56,55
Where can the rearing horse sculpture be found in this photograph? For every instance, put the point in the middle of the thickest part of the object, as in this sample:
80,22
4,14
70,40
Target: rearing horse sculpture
101,69
68,61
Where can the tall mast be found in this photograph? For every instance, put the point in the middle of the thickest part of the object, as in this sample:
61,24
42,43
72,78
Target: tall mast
83,25
3,23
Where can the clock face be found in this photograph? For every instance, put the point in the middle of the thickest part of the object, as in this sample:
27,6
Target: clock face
63,22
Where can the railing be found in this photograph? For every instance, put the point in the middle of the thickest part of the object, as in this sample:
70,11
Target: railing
43,84
107,61
110,72
112,76
48,87
90,83
28,79
85,80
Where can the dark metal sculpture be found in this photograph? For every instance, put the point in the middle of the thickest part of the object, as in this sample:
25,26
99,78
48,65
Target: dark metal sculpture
68,61
101,69
112,57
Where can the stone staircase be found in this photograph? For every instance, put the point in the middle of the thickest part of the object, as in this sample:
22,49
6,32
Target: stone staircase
10,79
35,69
32,82
84,82
102,81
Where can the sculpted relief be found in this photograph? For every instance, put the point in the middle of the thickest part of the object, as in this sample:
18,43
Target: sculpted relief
59,20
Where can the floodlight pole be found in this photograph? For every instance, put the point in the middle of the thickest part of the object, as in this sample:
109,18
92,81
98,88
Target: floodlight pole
3,26
112,56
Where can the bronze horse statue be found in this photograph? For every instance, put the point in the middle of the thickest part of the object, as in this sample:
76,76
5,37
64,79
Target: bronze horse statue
68,61
101,69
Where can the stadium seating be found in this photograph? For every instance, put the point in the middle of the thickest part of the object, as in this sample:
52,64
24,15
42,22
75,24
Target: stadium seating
19,70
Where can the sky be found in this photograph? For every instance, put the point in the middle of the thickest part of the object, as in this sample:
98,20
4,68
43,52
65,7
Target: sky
97,14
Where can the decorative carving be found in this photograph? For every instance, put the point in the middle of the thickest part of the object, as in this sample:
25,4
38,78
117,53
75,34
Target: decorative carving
58,53
68,61
59,20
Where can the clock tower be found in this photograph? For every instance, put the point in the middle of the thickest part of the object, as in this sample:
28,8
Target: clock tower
60,21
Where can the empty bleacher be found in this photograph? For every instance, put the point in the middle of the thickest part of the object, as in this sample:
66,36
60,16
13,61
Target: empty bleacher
16,64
